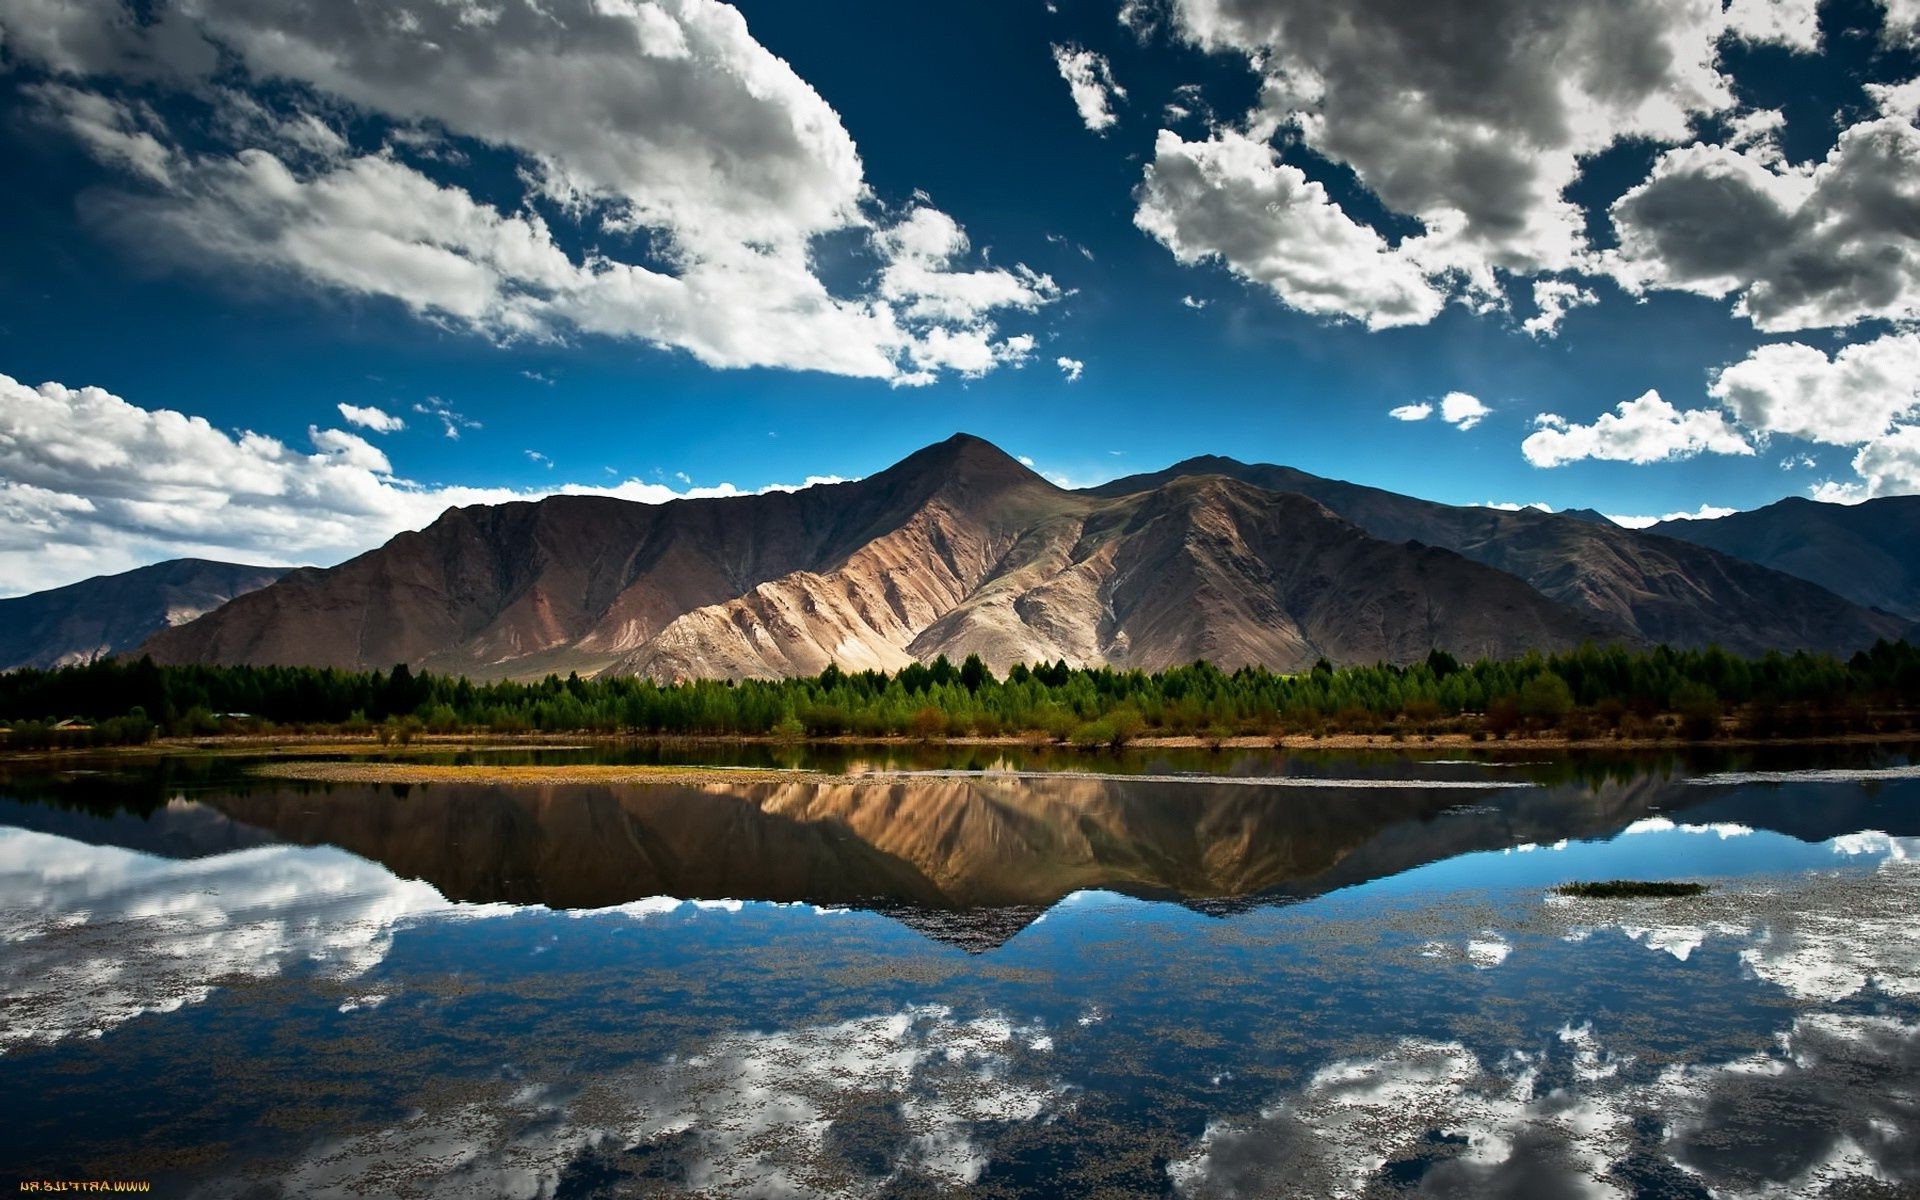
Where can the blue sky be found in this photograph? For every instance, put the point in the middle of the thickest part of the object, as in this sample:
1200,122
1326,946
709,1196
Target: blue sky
672,246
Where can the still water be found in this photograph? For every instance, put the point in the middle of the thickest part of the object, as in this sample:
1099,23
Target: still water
1224,975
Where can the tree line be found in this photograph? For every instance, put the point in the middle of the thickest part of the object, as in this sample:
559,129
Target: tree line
1590,691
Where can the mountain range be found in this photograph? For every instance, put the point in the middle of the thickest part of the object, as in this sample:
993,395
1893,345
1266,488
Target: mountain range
1869,553
111,614
960,549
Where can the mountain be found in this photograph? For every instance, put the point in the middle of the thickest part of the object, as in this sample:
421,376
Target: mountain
958,549
1869,553
1200,568
1641,585
111,614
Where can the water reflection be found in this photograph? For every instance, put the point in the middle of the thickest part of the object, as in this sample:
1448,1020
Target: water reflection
97,935
935,844
269,991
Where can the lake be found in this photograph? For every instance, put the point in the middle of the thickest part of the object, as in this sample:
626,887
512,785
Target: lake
1000,973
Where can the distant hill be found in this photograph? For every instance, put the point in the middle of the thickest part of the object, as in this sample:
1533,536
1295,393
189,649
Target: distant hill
1640,583
109,614
1869,553
959,549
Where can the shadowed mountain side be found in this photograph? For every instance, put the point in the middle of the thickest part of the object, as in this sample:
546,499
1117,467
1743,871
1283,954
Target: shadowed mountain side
577,582
100,617
1202,568
1003,850
1869,553
1653,588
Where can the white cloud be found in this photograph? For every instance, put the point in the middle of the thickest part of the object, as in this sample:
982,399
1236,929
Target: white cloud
127,136
1555,298
1193,303
1902,21
1643,430
1706,512
1141,17
1791,23
90,485
1456,408
1090,80
663,118
378,420
1845,399
451,421
1829,244
1070,367
1462,411
1230,198
1888,465
1865,395
1473,121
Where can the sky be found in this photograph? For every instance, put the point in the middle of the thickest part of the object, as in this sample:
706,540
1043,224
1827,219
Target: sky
278,280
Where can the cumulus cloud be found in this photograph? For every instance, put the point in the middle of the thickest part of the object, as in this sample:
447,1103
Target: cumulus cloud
1865,395
91,484
1793,23
1554,299
1462,411
1643,430
701,169
1888,465
1472,116
376,419
1457,409
1843,399
1902,25
1090,80
1830,244
1229,198
1070,367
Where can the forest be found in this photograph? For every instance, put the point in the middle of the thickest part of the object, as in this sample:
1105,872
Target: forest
1593,691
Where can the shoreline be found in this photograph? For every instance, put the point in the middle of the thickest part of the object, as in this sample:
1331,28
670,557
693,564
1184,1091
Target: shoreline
321,744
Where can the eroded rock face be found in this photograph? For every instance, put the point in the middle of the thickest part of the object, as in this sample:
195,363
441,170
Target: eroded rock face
959,550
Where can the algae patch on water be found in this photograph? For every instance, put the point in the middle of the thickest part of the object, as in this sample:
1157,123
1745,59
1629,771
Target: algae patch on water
1631,889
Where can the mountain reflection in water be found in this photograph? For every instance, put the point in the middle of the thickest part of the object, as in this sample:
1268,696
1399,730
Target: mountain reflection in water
1177,989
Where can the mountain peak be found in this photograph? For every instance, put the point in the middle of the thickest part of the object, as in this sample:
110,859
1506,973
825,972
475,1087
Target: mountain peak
965,459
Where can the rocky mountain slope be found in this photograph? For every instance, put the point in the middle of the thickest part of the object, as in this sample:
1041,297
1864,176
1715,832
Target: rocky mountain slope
959,550
1869,553
110,614
1640,584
